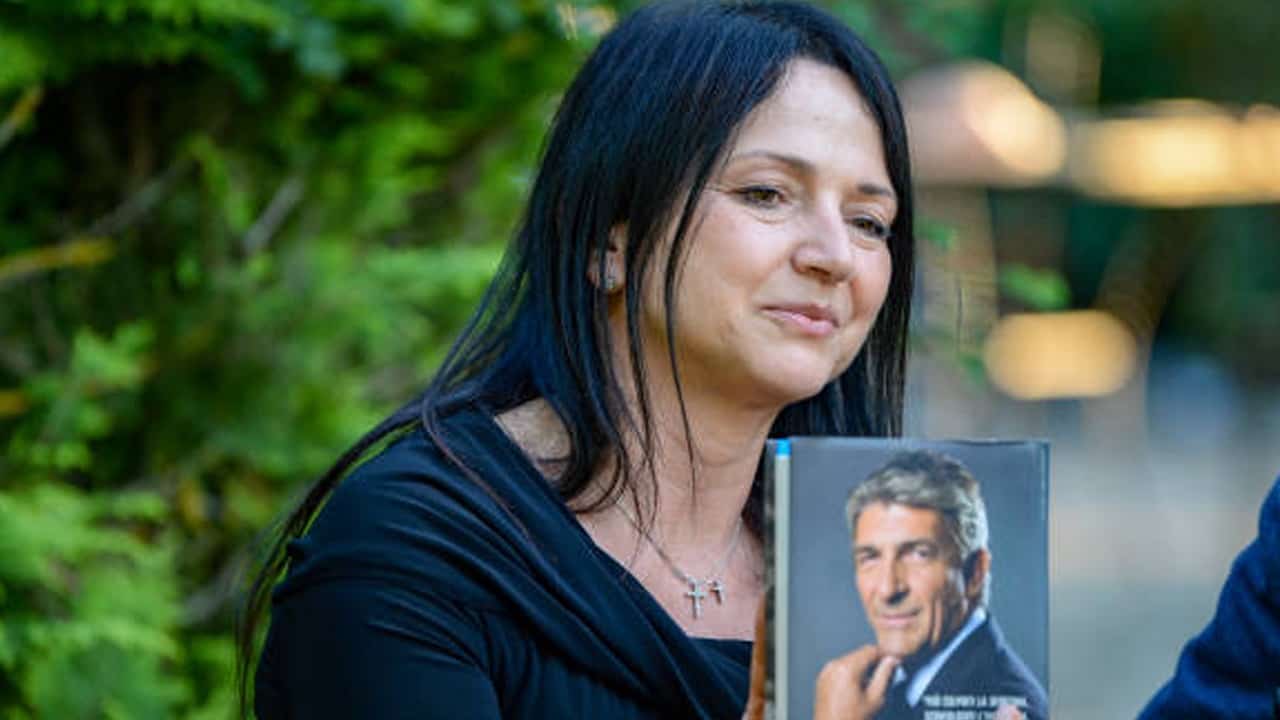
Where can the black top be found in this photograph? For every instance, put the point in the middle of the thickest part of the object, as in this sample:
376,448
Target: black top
415,594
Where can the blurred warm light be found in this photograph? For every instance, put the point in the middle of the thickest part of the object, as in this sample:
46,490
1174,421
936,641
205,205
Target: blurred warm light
1083,353
1023,132
1260,148
1182,153
975,122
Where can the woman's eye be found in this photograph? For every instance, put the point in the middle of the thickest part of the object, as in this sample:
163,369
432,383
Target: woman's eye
870,227
761,196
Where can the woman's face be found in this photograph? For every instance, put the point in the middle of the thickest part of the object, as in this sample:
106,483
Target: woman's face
788,263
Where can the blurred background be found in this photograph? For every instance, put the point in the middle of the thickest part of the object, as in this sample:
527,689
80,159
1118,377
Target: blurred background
235,233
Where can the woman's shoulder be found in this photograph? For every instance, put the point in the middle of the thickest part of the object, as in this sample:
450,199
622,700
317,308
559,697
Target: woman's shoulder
398,481
407,514
393,479
444,475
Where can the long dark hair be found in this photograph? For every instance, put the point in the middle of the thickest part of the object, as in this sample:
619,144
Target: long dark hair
636,138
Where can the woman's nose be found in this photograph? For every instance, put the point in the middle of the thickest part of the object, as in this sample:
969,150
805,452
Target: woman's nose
824,248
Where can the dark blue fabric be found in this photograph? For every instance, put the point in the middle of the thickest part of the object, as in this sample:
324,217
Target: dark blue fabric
415,594
985,664
1232,668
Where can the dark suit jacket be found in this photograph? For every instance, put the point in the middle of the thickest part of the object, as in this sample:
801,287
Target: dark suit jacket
982,666
1232,669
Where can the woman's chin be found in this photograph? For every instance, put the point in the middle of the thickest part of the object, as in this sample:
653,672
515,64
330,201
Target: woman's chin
791,385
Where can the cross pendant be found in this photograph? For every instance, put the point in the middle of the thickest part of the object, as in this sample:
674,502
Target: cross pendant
718,589
696,594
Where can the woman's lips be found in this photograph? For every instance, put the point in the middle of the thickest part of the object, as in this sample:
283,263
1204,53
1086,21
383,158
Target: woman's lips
810,320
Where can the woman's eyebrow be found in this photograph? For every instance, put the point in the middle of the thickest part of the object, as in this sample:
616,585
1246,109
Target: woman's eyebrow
798,164
805,167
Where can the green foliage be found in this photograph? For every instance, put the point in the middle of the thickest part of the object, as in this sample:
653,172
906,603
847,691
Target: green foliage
84,591
238,233
1040,290
939,234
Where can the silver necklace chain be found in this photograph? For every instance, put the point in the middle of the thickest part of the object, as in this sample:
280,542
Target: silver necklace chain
698,588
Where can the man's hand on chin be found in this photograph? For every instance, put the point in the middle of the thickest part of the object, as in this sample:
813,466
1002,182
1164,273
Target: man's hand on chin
850,689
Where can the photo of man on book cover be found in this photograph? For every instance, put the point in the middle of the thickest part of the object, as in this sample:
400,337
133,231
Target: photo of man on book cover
923,571
918,568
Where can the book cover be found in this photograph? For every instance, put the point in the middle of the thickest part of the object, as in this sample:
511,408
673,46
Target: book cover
933,552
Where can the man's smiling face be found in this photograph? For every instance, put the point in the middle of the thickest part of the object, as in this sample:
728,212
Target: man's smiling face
909,578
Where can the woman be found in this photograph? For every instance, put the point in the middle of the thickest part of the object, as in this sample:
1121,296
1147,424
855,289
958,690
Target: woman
717,249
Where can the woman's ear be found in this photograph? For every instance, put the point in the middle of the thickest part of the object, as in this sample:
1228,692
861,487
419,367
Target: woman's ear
608,271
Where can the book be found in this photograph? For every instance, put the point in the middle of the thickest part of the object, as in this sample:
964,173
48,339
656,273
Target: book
933,552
